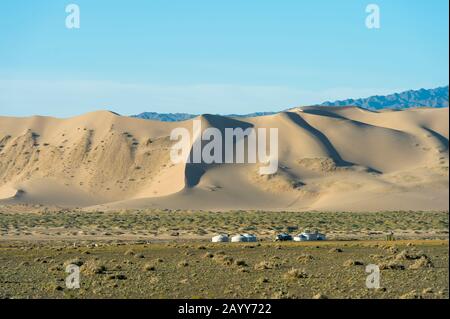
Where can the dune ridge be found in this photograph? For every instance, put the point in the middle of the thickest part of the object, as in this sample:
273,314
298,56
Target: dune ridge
329,159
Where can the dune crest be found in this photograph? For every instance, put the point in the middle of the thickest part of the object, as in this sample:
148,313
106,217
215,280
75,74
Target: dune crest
329,159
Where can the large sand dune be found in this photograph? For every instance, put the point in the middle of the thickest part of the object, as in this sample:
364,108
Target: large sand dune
329,159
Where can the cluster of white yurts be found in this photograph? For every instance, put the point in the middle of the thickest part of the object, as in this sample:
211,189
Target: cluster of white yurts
244,238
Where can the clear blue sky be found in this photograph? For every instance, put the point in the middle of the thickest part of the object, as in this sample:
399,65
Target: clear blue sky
221,56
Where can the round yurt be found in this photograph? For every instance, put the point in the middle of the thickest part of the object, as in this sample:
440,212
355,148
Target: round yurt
222,238
238,239
321,236
300,237
250,238
310,237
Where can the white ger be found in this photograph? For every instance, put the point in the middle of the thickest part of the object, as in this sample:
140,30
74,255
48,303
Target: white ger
245,238
222,238
305,236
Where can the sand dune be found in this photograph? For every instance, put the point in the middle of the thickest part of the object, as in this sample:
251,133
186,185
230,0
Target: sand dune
329,159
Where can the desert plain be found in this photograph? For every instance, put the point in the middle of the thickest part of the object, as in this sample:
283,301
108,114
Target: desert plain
99,191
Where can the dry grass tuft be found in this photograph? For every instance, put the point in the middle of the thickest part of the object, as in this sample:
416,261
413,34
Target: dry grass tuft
149,267
263,265
241,263
392,266
92,267
406,255
304,258
295,273
226,260
351,262
78,262
423,262
208,255
129,252
263,280
411,295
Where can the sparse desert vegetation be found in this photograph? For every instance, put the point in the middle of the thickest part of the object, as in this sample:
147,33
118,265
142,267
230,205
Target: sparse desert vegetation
168,254
419,269
170,225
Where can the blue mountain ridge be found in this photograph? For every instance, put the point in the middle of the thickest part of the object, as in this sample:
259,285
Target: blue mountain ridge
434,98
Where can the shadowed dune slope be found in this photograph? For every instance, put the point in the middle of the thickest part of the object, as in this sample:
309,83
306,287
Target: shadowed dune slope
328,159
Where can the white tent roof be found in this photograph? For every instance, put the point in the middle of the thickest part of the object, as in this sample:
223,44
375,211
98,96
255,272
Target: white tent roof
220,238
243,238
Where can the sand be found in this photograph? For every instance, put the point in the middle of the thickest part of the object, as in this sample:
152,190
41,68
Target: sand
330,159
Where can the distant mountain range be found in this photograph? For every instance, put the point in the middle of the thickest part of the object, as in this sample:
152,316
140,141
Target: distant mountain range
165,117
174,117
414,98
435,98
